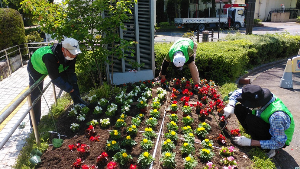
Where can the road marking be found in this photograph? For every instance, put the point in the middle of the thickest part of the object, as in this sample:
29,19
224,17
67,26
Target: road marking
3,124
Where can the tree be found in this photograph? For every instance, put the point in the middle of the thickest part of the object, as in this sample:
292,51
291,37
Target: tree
298,4
94,22
213,7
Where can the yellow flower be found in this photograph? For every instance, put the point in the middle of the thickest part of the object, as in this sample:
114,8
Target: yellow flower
118,120
148,129
155,110
122,116
185,144
184,128
209,145
141,115
174,105
146,154
173,115
141,102
145,140
168,140
188,158
185,106
206,140
173,133
165,142
108,145
189,127
124,155
203,124
130,129
188,117
205,150
133,126
191,134
113,142
201,129
168,154
128,137
150,118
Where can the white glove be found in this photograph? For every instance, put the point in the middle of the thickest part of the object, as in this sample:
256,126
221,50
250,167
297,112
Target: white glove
228,111
242,141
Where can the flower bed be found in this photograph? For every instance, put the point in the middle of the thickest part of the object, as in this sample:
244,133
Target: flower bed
122,132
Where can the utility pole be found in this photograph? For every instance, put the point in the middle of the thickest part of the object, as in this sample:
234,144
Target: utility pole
250,16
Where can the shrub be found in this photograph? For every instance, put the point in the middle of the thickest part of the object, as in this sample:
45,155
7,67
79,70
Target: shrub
12,30
256,21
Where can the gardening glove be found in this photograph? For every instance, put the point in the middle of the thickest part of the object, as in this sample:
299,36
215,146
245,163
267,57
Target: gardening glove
242,141
228,111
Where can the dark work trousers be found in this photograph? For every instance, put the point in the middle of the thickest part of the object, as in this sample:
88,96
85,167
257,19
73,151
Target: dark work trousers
253,125
34,76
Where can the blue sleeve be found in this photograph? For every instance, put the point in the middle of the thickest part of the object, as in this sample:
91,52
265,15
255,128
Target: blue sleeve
232,98
59,82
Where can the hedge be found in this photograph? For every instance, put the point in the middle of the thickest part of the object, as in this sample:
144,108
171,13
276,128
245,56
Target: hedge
227,60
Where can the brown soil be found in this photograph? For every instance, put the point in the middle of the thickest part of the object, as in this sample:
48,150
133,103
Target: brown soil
64,158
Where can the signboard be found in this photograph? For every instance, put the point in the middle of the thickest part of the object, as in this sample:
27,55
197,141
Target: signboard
217,1
296,64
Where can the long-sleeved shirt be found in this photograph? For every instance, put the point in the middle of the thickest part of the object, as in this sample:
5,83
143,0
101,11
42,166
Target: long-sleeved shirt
279,122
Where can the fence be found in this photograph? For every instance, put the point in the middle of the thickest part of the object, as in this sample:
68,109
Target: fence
30,48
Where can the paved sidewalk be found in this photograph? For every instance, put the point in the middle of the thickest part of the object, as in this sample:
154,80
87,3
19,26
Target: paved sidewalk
10,89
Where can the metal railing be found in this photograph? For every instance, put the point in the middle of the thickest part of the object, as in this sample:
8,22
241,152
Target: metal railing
27,93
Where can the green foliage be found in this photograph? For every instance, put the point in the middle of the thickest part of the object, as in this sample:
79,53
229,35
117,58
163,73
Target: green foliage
164,24
256,21
260,159
298,19
188,35
34,37
12,30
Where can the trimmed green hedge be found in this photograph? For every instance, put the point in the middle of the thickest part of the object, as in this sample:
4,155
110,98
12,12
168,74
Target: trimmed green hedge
226,61
12,30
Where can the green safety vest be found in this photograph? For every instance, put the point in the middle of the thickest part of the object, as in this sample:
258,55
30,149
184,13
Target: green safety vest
185,45
278,105
37,60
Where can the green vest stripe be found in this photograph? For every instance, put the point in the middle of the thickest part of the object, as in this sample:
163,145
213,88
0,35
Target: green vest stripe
37,60
181,45
278,105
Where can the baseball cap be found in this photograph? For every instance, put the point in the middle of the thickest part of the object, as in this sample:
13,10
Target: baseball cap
178,59
71,45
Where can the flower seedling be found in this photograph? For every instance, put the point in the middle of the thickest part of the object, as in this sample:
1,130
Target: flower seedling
142,103
172,126
168,145
132,130
146,144
226,152
97,110
111,110
149,133
221,139
168,159
128,142
205,125
186,129
203,113
122,157
104,122
84,166
206,154
186,109
93,122
96,138
102,157
185,99
151,122
210,165
145,159
120,123
77,164
201,132
90,131
103,102
115,134
172,135
235,132
112,165
136,121
154,113
207,144
187,148
188,120
132,166
74,127
187,92
204,99
156,105
229,161
173,117
112,146
190,162
174,107
189,137
83,149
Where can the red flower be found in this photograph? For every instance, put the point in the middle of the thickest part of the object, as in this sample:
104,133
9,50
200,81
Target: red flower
77,163
174,102
162,80
196,86
102,156
221,139
185,99
72,147
235,132
199,105
85,166
92,138
81,150
132,166
111,165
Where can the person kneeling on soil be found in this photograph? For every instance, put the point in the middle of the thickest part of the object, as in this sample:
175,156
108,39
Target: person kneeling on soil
263,116
182,52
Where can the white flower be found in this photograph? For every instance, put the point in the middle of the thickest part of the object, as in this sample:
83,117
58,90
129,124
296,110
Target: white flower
105,121
97,108
80,117
156,99
74,126
91,98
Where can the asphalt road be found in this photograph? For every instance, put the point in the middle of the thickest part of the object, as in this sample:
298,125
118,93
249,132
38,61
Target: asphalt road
268,27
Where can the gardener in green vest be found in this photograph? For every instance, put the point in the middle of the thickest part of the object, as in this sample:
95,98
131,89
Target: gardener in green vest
57,61
182,52
263,116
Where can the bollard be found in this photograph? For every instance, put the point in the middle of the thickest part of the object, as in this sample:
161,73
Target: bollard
205,36
286,80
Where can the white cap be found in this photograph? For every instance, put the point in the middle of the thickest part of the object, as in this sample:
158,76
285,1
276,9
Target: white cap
179,59
71,45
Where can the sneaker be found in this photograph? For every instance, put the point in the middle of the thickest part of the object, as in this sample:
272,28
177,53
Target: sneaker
271,153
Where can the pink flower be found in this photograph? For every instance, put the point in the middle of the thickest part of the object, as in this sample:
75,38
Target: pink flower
230,158
231,149
209,164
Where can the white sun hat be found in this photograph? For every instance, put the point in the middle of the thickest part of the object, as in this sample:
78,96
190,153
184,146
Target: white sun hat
179,59
71,45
